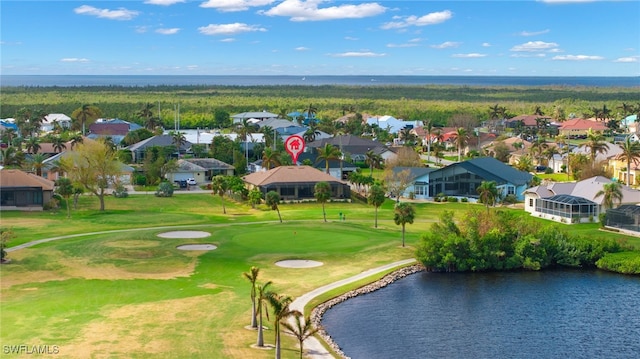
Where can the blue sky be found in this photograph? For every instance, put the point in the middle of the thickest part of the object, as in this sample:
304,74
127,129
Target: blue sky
317,37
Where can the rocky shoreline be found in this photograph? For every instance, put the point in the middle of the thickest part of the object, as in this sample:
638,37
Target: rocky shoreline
318,312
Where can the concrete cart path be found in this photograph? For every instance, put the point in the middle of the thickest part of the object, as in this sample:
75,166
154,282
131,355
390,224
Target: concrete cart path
312,345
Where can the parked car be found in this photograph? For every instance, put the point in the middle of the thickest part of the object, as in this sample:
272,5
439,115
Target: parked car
181,183
192,182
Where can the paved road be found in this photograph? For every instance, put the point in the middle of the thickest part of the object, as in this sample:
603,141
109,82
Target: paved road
312,345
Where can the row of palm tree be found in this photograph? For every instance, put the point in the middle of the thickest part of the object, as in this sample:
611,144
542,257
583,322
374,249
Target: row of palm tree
261,298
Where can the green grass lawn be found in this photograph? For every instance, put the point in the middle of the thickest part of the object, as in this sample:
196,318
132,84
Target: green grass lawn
133,294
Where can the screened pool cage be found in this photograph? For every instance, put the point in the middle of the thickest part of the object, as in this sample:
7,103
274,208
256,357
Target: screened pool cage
625,217
574,209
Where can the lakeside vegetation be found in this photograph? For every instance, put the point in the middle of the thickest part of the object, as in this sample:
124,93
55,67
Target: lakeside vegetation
131,293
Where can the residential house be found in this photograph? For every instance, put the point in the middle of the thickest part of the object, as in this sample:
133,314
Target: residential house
354,147
418,178
138,149
24,191
516,146
212,167
254,116
51,120
462,179
295,182
186,170
578,127
573,202
337,168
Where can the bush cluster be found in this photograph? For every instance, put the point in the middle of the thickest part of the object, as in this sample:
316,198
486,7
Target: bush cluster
500,240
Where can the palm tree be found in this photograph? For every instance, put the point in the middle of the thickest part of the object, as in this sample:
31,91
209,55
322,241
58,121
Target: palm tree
596,144
281,311
376,199
301,329
270,136
178,139
252,276
407,136
311,133
33,145
322,192
146,114
270,158
610,192
64,188
311,113
403,213
327,153
219,186
272,198
9,134
373,160
461,139
76,139
37,162
86,114
262,296
58,144
630,153
488,193
12,157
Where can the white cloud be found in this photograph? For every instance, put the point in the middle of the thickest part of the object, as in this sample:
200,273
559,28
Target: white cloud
120,14
469,56
228,39
171,31
576,57
533,33
358,54
409,44
539,54
351,38
446,44
163,2
141,29
302,48
299,10
229,29
74,59
429,19
627,59
234,5
535,46
486,44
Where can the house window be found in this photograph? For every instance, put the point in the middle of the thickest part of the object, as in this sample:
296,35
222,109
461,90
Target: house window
420,190
530,202
511,190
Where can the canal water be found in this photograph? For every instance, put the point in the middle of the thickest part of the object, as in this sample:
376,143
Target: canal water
549,314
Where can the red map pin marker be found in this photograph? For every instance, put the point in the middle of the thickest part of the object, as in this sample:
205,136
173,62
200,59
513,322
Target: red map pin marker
294,145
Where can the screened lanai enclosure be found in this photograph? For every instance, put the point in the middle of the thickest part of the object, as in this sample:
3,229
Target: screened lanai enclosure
625,217
570,208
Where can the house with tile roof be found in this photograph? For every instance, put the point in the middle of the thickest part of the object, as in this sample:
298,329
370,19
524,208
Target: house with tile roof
578,127
573,202
294,183
22,191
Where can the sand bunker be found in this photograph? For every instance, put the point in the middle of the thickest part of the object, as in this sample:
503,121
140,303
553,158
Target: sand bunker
298,263
184,234
197,247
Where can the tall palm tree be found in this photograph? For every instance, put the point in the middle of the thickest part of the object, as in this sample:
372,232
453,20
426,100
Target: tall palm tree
86,114
327,153
322,192
58,144
252,276
9,134
33,145
310,134
596,144
76,139
630,153
301,329
37,162
263,293
281,311
270,158
610,192
376,199
311,112
373,160
488,193
270,136
407,136
11,157
403,213
219,186
272,199
178,139
146,114
461,138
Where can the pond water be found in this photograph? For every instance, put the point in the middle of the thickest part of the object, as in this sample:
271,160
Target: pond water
550,314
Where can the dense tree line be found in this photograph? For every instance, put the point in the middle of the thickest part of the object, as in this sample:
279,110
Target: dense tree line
500,240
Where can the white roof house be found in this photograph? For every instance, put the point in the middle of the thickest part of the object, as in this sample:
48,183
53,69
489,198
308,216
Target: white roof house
392,124
49,120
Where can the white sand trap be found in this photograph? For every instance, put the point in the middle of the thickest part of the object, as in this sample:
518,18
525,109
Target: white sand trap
197,247
298,263
184,234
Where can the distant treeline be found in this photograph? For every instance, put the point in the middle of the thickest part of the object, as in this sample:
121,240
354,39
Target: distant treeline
198,103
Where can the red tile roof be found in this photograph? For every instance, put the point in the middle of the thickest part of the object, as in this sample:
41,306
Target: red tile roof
15,178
